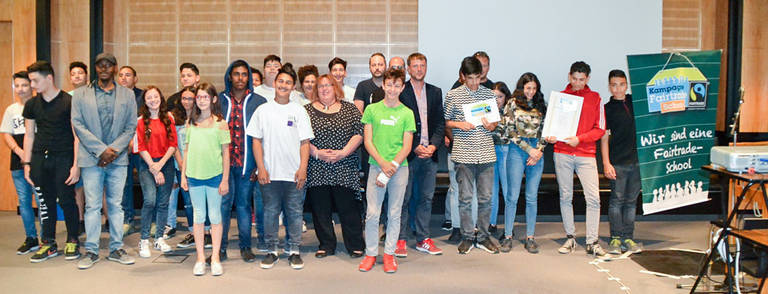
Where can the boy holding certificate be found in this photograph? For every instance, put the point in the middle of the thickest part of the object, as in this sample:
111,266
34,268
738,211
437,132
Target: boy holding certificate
473,154
577,154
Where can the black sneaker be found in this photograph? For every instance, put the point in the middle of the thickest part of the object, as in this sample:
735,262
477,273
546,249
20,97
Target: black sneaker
81,228
169,232
30,244
488,246
383,237
506,244
465,246
247,255
88,260
189,241
46,251
455,235
295,261
531,246
71,250
269,260
208,241
222,257
492,229
446,226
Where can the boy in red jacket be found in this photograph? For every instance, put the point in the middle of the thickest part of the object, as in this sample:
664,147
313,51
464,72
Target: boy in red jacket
577,154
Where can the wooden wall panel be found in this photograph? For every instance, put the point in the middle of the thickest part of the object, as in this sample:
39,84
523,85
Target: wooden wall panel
213,33
8,198
70,37
20,15
754,68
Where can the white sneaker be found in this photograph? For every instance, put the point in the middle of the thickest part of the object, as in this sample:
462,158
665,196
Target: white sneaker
199,269
162,246
216,269
568,246
144,248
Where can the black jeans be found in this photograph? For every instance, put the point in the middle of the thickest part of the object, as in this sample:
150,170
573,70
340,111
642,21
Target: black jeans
322,200
49,171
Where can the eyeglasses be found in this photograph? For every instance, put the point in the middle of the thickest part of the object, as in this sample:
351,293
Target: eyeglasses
201,97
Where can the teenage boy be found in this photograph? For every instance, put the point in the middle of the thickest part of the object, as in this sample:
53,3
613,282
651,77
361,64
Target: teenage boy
127,77
272,65
473,155
369,91
281,132
426,103
388,133
620,165
78,75
50,162
338,70
485,60
104,121
13,132
577,154
189,75
238,104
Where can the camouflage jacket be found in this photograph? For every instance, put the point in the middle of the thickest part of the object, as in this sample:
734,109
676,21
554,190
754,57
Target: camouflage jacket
517,124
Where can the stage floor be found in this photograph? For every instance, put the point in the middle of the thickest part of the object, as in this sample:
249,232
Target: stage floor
476,272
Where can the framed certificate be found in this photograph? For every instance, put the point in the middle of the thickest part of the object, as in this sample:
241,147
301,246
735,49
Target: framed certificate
475,112
563,113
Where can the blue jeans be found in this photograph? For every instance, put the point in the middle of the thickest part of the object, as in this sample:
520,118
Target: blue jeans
155,205
240,194
499,176
421,183
26,195
127,202
96,181
282,196
622,205
202,193
516,167
173,203
258,209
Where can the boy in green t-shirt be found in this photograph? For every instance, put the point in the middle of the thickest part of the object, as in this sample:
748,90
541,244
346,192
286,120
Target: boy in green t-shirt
389,128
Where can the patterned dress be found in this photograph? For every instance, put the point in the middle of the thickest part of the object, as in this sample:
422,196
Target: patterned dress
333,131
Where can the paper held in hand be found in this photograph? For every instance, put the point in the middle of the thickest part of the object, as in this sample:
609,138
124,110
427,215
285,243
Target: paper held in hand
474,112
563,113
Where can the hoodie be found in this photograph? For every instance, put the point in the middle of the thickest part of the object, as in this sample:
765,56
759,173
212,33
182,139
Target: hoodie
591,124
251,101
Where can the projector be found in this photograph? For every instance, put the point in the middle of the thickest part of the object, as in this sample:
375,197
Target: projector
740,158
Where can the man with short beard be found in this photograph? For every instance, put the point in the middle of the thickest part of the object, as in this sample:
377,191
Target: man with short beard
364,93
104,119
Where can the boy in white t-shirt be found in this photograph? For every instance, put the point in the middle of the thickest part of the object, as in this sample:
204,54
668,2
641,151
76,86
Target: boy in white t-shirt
281,131
13,132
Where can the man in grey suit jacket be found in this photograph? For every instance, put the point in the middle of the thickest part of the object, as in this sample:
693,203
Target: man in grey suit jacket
104,119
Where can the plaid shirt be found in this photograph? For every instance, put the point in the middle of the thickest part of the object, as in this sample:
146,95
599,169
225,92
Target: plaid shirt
237,132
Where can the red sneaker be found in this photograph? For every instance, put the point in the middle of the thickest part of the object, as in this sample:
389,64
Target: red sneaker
401,250
390,264
367,263
428,246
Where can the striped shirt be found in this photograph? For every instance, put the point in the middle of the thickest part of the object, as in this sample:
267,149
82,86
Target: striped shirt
474,146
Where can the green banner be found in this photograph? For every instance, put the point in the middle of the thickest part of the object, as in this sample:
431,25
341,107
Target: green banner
675,101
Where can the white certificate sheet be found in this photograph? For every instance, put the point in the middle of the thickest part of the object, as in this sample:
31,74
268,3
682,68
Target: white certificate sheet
563,113
474,112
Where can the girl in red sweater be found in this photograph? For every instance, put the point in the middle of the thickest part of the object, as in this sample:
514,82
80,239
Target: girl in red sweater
156,143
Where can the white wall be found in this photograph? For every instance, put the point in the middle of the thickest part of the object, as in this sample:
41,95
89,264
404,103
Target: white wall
543,37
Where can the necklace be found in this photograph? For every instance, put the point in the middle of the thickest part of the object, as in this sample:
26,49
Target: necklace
327,107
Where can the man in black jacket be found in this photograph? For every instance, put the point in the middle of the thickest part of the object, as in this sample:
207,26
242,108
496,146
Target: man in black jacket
426,102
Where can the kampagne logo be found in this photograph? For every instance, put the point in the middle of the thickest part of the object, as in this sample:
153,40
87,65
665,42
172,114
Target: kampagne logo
677,89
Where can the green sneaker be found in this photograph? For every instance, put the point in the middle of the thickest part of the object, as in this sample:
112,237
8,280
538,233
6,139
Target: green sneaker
632,246
614,247
71,251
47,250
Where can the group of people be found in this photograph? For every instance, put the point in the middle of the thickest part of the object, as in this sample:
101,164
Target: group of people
269,140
